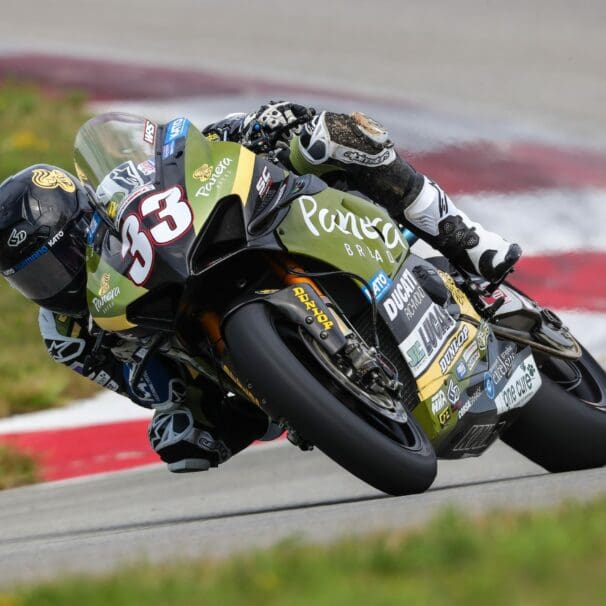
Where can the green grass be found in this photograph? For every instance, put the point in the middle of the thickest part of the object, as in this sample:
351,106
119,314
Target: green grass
553,558
16,468
35,127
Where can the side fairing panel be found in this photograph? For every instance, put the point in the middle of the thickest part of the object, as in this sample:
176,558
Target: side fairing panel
348,232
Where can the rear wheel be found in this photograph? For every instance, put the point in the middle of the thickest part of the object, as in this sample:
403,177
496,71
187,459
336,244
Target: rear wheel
299,386
563,428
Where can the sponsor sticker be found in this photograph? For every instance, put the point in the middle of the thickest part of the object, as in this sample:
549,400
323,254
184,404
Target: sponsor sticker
264,183
433,330
471,356
453,349
521,387
461,369
444,416
489,386
465,408
504,363
454,392
438,402
147,167
126,176
405,290
176,129
470,402
221,171
95,222
494,297
104,285
105,302
321,221
149,132
380,285
482,336
168,150
203,173
415,355
312,306
136,193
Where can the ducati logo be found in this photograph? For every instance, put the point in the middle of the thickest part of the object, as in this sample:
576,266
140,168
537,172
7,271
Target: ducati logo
16,237
52,179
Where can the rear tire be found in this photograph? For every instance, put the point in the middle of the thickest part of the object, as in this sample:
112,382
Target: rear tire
564,430
261,356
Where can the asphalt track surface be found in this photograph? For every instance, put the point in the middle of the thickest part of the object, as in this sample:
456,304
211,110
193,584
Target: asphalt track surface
540,66
256,499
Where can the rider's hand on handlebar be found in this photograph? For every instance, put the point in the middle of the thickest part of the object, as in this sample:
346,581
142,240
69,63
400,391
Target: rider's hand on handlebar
276,121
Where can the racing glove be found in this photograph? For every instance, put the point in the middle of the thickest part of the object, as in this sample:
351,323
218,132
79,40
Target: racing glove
272,123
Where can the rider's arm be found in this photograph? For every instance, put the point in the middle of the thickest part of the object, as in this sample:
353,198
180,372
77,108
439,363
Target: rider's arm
161,384
69,342
264,129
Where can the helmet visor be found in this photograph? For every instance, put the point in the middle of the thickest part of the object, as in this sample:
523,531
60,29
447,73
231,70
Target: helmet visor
49,270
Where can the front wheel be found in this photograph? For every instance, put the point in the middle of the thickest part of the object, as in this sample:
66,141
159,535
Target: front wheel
296,389
563,428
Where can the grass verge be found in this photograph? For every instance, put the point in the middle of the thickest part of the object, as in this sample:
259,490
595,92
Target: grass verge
552,558
36,127
16,468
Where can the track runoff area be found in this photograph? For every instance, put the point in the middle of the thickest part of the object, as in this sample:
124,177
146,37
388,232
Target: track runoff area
536,188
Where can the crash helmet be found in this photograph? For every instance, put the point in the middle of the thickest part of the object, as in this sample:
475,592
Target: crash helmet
44,218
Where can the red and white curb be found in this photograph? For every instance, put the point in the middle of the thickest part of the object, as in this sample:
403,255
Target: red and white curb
530,186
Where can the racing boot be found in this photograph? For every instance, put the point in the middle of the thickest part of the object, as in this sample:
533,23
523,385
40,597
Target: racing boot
433,216
188,441
357,150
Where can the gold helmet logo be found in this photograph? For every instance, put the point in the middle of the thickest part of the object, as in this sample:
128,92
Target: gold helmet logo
203,173
104,288
51,179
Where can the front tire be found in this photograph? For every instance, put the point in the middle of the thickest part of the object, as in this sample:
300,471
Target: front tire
564,430
292,392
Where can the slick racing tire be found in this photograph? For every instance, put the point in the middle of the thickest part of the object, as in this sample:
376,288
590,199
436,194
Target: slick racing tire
292,389
563,428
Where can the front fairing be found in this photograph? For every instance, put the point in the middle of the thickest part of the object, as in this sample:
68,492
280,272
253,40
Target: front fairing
142,238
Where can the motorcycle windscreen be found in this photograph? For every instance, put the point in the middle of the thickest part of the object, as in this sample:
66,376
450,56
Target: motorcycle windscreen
117,147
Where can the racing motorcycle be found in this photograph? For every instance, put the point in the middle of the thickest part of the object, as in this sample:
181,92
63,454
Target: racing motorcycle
308,302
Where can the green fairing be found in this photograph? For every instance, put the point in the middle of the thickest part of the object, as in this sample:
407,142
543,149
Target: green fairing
103,280
216,164
364,238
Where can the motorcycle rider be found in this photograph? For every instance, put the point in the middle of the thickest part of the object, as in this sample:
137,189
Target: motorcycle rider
44,218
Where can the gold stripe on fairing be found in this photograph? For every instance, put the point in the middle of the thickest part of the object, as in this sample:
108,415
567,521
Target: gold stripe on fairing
114,324
243,180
